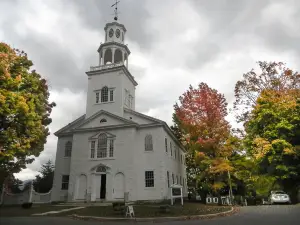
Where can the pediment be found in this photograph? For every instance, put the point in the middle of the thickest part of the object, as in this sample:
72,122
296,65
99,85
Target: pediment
103,119
95,136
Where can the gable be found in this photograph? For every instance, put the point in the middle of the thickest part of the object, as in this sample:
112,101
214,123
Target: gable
139,117
70,126
102,119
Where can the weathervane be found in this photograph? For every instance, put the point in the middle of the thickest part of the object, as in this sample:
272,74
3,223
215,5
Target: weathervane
116,10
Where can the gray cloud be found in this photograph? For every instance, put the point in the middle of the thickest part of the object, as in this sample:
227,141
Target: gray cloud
133,15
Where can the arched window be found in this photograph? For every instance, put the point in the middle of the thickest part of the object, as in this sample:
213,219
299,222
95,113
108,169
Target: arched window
101,169
103,121
108,56
68,149
102,146
118,56
104,94
148,143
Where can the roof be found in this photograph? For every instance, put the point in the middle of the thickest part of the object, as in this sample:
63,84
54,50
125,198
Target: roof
125,70
78,123
161,122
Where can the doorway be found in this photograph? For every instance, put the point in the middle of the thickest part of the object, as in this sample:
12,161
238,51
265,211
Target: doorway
103,186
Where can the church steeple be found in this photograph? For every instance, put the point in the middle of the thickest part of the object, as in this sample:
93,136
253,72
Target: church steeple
111,87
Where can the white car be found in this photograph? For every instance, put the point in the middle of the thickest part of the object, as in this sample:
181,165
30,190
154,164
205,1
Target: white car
279,197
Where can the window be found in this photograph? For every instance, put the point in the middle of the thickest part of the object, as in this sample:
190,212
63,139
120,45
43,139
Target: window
93,149
101,169
65,182
97,97
102,146
104,94
103,121
126,97
149,179
173,178
130,101
111,148
183,183
111,95
166,144
148,143
168,178
175,153
171,149
176,179
68,149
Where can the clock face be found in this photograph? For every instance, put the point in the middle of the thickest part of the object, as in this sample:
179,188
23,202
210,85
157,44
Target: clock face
118,33
111,32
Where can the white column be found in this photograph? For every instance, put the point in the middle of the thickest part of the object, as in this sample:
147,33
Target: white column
103,55
113,55
123,57
99,58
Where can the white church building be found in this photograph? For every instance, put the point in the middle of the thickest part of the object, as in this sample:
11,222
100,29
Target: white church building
113,149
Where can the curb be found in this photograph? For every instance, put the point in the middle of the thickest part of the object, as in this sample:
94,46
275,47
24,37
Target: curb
158,219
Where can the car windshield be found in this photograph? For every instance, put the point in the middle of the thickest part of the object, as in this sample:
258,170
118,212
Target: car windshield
279,192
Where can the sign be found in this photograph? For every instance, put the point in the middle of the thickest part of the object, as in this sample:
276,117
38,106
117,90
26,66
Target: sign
176,191
129,211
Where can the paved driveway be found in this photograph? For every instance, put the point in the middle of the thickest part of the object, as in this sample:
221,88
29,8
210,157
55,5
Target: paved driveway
252,215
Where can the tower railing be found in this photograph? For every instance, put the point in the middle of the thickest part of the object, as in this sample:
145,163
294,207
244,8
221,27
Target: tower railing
107,66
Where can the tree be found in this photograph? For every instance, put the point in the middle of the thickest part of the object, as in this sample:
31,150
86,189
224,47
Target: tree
273,76
24,111
206,134
272,135
43,184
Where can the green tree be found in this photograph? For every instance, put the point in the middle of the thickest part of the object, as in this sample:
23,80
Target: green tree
24,111
43,183
272,135
272,76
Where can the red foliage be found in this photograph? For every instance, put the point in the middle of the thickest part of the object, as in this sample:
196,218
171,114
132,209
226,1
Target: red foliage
202,113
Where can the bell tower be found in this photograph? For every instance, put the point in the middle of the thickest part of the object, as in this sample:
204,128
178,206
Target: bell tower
111,87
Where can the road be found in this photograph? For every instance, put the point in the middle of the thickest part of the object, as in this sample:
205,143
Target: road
252,215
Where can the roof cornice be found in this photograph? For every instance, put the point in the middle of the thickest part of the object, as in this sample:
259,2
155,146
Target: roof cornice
125,70
111,44
114,23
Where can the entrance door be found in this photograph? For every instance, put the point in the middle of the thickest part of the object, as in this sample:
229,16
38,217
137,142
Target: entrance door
119,185
82,183
103,186
97,185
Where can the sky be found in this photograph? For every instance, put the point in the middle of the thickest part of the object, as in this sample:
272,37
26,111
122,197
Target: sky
173,44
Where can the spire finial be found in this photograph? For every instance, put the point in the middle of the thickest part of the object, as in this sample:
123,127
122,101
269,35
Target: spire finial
116,10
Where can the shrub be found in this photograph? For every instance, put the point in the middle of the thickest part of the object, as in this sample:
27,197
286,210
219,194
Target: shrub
27,205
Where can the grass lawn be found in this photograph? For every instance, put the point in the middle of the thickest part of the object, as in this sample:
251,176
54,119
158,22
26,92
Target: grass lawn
12,211
150,211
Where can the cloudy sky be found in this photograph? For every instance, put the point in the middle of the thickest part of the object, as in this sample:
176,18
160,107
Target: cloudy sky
173,44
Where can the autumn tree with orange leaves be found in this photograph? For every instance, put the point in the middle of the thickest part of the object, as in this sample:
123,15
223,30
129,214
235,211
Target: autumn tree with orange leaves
201,112
24,111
